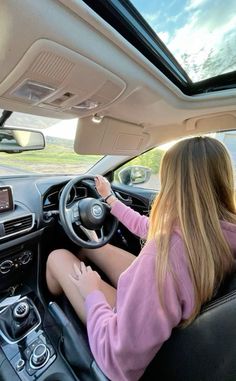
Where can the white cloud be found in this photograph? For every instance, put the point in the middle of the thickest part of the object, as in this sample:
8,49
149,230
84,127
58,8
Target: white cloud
151,17
193,4
164,36
174,18
203,36
197,42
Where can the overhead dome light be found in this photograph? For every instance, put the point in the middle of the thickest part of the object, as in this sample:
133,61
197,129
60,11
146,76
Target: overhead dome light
88,104
32,91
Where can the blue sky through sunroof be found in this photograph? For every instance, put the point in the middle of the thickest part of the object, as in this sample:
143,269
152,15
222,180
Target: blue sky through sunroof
201,34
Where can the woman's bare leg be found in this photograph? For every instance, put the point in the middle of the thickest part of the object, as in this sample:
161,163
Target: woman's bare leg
59,266
110,259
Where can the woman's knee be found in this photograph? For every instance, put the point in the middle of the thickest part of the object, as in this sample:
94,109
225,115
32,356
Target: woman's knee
56,258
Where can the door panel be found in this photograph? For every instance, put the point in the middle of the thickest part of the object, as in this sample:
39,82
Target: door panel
140,200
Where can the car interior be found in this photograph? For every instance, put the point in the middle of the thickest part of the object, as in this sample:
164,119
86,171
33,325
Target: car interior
102,64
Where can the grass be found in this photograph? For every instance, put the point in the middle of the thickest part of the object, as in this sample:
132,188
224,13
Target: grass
56,158
150,159
53,155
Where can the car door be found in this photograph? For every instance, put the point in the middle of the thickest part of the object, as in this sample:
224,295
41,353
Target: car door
136,184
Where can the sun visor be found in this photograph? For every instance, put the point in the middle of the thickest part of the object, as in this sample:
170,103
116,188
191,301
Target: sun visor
214,122
109,137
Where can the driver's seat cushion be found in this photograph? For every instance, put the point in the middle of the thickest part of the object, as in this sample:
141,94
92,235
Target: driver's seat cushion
205,350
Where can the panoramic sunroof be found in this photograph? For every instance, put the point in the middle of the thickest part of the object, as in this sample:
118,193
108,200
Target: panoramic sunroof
201,34
191,41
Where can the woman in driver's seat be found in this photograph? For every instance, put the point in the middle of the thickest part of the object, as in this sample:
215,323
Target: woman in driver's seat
190,239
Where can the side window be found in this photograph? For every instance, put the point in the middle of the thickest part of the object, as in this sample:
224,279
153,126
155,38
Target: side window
229,140
143,171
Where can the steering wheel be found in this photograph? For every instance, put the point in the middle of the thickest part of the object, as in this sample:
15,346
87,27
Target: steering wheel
90,215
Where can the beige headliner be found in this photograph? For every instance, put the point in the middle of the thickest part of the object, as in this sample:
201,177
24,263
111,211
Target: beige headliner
94,61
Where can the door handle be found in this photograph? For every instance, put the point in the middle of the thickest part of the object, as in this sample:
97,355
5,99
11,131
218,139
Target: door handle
127,200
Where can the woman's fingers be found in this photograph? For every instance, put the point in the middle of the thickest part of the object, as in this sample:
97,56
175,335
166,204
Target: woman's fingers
77,270
83,267
100,179
73,279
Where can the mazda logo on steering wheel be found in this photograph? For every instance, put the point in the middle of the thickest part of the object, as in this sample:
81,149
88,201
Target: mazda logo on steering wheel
97,211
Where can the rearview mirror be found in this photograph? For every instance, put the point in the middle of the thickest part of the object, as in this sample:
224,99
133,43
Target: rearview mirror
15,140
135,174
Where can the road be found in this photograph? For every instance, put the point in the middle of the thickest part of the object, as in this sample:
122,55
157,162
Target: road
9,170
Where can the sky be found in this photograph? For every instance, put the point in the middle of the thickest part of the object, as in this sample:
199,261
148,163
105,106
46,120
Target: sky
201,34
63,129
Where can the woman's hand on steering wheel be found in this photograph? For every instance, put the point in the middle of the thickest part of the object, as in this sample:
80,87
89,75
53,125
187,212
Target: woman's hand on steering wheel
103,186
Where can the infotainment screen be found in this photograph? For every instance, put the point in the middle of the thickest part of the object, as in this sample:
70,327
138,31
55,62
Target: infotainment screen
6,199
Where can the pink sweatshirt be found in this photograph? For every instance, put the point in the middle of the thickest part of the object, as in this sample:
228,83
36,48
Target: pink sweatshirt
124,342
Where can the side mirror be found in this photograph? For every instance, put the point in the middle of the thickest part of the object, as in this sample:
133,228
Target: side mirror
135,174
15,140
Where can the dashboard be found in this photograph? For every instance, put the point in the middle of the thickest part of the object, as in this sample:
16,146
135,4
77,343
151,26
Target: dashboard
29,207
28,203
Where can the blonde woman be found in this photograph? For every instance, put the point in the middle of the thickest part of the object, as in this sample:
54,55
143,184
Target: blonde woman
190,239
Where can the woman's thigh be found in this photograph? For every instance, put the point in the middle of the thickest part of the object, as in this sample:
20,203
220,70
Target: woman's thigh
60,265
110,259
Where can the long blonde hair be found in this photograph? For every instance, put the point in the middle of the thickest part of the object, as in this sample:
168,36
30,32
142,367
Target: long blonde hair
197,191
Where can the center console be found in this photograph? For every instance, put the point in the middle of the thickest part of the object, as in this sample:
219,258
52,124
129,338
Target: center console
26,348
32,352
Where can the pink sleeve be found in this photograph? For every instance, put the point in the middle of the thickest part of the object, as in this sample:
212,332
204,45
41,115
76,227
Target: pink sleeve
135,222
124,343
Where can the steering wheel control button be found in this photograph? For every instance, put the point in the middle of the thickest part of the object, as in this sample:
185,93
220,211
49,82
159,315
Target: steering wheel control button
76,213
21,310
39,357
20,365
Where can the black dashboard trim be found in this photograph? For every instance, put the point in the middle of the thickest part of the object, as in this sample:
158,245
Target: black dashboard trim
20,240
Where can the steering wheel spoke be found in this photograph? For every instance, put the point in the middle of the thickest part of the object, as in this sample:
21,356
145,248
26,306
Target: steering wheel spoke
92,234
107,207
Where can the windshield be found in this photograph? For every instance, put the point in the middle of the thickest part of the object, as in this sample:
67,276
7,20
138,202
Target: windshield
199,33
57,158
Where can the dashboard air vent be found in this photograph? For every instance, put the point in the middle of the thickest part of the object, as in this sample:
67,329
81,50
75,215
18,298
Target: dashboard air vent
18,225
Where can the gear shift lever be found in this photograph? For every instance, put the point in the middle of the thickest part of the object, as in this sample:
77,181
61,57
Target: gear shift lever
21,311
18,319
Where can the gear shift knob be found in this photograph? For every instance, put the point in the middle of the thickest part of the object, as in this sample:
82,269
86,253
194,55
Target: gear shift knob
21,311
